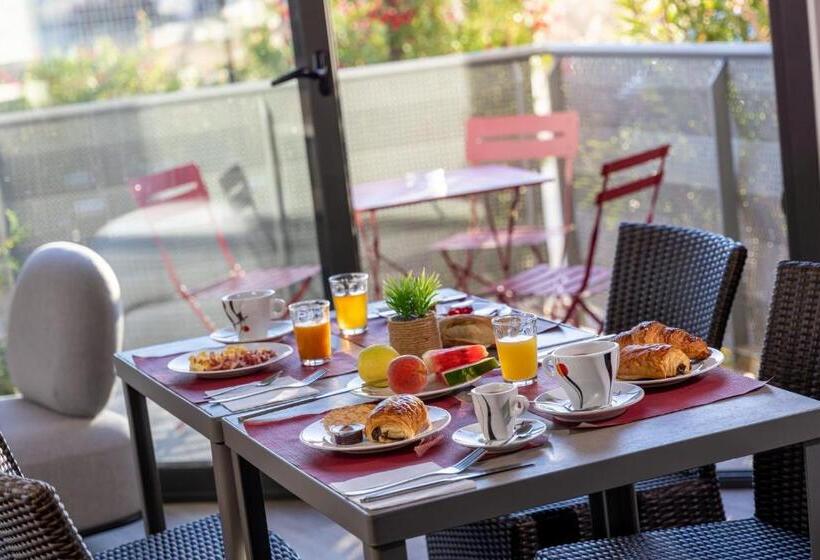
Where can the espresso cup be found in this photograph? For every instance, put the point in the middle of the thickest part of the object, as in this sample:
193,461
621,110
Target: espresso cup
586,371
497,405
250,312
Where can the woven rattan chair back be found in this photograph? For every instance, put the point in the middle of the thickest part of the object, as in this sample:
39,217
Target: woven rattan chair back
33,523
683,277
8,465
791,359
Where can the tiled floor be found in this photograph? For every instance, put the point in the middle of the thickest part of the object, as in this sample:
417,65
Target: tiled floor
315,537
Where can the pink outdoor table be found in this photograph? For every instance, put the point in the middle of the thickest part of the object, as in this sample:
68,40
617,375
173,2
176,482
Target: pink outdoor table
438,184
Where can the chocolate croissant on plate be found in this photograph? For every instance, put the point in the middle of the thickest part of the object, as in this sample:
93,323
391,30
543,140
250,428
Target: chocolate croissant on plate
396,418
652,361
655,332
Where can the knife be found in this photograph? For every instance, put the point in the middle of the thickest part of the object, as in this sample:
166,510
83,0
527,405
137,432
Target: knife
434,483
265,408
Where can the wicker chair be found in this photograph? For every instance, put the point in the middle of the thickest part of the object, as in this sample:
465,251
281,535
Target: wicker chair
779,529
683,277
34,525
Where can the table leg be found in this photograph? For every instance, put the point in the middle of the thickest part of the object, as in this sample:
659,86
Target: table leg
254,525
391,551
614,512
811,451
227,502
153,516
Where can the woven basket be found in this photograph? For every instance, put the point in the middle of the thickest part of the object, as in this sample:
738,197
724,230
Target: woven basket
416,336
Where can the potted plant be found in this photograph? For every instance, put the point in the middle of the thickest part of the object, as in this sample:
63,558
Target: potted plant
414,328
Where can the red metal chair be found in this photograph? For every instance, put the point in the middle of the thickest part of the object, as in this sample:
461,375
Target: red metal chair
504,139
568,286
160,196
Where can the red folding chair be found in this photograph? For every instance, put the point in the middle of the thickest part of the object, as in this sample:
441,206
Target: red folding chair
568,286
504,139
157,194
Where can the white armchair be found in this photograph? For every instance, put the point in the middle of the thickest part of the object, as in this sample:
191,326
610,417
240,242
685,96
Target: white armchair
65,324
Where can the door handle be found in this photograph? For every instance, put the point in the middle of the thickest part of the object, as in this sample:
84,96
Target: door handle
320,72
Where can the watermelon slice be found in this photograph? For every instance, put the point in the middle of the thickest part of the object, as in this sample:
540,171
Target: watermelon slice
463,374
445,359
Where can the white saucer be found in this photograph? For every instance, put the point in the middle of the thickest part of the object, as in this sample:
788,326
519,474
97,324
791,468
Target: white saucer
277,329
471,436
555,404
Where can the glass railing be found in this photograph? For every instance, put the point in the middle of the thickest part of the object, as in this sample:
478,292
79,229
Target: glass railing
64,172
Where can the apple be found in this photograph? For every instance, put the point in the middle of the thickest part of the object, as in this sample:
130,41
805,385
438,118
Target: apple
407,374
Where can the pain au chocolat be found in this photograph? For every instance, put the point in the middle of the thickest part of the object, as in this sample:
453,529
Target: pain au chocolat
397,418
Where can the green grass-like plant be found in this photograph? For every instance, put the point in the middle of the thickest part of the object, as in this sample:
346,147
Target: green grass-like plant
411,296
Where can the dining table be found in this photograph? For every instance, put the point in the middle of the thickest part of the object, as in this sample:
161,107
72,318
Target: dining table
370,198
602,461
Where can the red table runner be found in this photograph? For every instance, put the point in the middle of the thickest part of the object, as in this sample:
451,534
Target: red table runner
282,436
193,388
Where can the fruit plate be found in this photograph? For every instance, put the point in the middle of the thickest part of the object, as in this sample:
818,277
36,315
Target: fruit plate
181,365
434,388
698,368
316,437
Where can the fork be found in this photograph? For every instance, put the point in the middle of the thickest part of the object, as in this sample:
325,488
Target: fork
458,468
303,383
261,383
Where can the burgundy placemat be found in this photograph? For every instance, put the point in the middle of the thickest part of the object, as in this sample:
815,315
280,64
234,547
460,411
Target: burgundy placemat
708,388
282,436
193,388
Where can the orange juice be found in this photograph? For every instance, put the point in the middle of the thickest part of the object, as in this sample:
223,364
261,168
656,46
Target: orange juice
351,312
518,356
313,342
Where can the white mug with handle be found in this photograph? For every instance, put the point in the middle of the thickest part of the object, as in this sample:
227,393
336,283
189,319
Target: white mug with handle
586,370
251,312
497,405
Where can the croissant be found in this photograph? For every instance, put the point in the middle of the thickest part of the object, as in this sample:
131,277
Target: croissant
652,361
396,418
654,332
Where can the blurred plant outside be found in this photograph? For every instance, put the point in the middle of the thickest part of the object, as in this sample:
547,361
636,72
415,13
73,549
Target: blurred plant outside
367,32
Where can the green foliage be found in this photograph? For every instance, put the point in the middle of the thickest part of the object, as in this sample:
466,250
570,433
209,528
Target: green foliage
15,234
104,72
370,31
6,387
411,296
672,21
265,49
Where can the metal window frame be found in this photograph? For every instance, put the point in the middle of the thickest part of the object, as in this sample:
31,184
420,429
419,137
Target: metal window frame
794,54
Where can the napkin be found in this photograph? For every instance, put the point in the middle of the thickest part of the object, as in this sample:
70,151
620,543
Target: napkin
269,396
387,477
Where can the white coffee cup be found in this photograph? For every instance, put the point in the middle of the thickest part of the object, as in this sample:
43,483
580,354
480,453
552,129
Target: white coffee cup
497,405
250,312
586,371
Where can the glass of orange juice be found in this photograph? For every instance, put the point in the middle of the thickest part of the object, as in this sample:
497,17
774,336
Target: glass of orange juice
311,327
350,301
517,346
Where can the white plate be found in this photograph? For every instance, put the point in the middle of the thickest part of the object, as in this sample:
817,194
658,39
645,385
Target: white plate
316,437
471,436
180,363
698,368
434,388
554,404
277,329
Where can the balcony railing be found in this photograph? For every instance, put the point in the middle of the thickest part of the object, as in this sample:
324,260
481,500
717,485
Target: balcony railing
64,170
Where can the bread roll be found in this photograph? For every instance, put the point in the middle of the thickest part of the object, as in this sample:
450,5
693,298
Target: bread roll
459,330
396,418
654,332
652,361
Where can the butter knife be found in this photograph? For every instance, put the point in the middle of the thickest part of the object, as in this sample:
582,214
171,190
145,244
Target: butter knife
265,408
376,496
